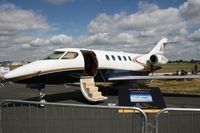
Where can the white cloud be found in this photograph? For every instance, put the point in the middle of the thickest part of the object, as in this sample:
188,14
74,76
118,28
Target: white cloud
195,34
147,25
13,18
26,46
61,40
18,27
39,42
161,21
190,10
147,7
104,23
132,32
16,22
58,2
148,22
56,40
104,39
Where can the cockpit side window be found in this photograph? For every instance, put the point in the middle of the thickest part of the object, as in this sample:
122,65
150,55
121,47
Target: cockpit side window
54,55
70,55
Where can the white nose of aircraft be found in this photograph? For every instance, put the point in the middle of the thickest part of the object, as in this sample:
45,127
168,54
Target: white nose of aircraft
19,72
22,72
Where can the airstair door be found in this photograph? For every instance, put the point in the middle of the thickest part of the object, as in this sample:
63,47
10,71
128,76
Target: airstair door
91,63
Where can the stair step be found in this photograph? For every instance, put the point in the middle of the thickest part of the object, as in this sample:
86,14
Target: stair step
88,80
89,85
90,90
96,95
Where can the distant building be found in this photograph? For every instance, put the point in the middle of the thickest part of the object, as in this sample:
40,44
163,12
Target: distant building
3,71
12,64
6,63
17,63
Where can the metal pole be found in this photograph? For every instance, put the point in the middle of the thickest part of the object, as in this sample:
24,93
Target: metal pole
0,122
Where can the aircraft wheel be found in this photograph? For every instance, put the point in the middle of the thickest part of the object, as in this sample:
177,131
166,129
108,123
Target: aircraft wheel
42,93
66,86
42,103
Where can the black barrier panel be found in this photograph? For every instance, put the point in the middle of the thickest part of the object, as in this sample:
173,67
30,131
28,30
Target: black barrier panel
150,97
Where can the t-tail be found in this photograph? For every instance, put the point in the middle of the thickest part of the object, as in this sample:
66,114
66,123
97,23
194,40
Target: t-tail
156,55
155,58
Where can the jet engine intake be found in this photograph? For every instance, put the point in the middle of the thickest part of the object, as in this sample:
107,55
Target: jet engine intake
157,59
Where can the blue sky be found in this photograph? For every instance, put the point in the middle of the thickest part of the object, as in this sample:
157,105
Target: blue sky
30,26
72,17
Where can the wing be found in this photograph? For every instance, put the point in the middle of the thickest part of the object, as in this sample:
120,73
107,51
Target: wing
118,78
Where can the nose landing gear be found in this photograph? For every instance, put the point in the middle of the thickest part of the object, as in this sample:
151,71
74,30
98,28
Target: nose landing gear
41,88
42,100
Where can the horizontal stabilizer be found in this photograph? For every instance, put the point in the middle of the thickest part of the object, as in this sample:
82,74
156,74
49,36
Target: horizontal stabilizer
118,78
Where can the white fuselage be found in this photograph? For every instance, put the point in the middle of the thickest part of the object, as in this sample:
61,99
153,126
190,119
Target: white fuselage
69,64
86,66
105,60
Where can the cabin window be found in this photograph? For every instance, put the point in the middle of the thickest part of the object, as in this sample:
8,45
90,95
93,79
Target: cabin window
55,55
113,57
125,58
119,58
107,57
70,55
129,58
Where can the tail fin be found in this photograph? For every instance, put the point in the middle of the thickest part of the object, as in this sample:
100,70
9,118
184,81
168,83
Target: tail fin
159,48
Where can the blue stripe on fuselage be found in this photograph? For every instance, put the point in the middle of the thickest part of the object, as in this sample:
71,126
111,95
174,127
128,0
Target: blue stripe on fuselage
75,75
107,73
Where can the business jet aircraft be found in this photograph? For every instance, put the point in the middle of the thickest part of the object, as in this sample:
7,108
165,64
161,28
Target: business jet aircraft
87,66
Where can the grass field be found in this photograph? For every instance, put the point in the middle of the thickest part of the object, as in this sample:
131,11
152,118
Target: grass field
174,86
173,67
178,87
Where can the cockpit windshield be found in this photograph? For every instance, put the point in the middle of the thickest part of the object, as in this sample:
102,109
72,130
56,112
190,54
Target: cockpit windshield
54,55
70,55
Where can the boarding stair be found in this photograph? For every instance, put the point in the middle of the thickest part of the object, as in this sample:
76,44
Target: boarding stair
90,90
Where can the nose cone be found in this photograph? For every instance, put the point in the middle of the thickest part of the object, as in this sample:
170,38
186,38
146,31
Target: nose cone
22,72
12,75
15,74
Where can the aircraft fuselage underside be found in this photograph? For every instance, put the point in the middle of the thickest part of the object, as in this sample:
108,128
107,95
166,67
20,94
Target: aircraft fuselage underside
102,75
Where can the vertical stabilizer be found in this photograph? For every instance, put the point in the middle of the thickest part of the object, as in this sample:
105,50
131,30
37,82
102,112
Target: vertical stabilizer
159,48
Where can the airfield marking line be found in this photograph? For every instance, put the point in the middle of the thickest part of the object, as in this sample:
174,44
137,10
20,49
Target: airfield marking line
135,111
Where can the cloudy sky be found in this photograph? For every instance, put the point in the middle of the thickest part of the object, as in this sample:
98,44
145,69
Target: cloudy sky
31,29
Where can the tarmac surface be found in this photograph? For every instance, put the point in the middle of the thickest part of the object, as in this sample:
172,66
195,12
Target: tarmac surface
72,94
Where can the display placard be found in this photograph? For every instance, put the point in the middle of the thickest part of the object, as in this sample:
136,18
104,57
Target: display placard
150,97
141,97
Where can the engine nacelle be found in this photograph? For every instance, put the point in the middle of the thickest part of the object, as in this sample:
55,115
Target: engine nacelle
157,59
